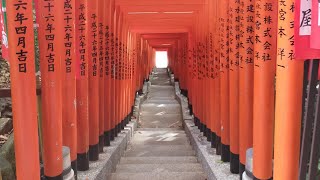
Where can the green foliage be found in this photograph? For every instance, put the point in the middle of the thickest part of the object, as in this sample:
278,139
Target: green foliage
36,46
36,42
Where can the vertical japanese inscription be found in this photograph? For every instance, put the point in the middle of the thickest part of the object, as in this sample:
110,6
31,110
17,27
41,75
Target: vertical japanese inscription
217,42
264,31
249,31
101,48
125,51
222,42
234,34
94,43
116,55
82,39
112,57
107,51
241,34
68,35
120,60
21,31
285,32
49,31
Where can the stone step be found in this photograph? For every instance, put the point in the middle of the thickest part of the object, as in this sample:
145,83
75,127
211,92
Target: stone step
169,96
162,90
160,109
152,148
160,121
160,81
164,141
159,176
156,79
164,83
157,98
156,106
162,130
137,168
164,101
159,160
157,113
147,152
160,137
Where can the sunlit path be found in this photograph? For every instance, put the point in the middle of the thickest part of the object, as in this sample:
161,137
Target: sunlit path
160,149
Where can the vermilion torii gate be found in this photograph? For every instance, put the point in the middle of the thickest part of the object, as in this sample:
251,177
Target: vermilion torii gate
234,61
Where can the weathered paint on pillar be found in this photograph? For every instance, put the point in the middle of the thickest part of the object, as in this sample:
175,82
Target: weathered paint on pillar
82,74
234,84
107,82
101,10
217,80
23,88
93,47
288,97
246,78
224,82
265,50
112,85
51,56
69,108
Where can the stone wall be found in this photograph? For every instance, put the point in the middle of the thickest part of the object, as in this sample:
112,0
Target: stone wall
5,103
7,159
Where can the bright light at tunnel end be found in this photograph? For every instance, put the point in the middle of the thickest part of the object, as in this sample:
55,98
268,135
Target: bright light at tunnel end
143,12
150,12
161,59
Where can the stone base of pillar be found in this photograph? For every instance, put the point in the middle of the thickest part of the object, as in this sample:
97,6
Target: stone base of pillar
107,138
225,153
234,163
83,161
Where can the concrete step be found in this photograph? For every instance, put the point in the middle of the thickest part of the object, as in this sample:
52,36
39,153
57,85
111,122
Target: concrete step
159,160
159,133
169,104
169,97
154,96
164,101
137,168
162,130
161,92
150,148
157,113
148,152
164,83
161,108
164,141
160,137
159,176
160,121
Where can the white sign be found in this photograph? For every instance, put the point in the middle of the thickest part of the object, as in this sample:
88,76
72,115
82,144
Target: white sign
319,13
305,17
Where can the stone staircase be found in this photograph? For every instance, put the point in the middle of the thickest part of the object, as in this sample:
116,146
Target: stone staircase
160,149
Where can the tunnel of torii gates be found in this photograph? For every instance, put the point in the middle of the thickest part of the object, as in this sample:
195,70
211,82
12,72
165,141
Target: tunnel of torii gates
237,61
